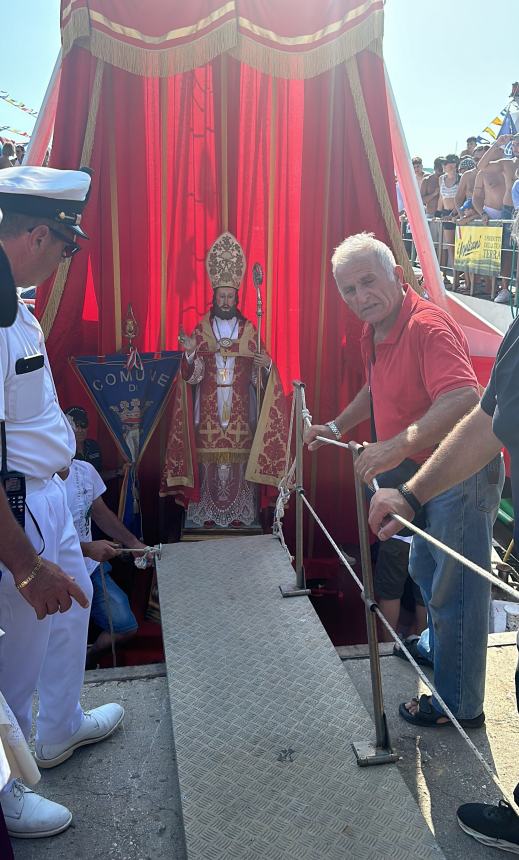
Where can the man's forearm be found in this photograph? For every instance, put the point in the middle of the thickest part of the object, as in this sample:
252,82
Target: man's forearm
469,447
356,411
112,526
437,422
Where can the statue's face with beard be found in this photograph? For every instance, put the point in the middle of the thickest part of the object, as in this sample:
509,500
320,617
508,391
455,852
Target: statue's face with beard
224,303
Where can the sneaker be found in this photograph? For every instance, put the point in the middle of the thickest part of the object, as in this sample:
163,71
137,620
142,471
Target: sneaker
503,297
97,725
30,816
497,826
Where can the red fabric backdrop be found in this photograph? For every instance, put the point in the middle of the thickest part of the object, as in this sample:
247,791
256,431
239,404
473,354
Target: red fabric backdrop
177,159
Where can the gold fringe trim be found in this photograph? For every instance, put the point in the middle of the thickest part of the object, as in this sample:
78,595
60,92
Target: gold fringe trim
316,61
222,456
376,174
146,62
56,293
225,38
77,29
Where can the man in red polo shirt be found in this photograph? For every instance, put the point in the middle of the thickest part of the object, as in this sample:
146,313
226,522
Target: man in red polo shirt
422,383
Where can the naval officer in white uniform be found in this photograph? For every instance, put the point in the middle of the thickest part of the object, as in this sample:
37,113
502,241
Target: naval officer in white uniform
42,211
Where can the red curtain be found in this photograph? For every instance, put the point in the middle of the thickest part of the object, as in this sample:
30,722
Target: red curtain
177,159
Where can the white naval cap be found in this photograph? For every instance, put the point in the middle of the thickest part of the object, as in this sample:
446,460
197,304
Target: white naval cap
44,191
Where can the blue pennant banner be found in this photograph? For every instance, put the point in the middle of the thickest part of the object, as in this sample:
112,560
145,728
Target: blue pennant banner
130,401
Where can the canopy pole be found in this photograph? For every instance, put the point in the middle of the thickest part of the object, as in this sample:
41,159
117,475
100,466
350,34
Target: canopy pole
44,126
413,203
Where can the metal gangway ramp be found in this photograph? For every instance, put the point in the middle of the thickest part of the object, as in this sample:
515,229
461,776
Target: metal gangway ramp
264,715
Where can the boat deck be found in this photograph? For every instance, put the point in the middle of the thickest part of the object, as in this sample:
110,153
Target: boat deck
264,716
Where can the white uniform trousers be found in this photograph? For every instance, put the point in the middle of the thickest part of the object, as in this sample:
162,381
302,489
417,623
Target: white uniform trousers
48,655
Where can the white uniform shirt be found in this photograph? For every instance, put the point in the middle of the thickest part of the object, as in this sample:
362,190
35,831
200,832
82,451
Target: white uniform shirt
83,485
40,440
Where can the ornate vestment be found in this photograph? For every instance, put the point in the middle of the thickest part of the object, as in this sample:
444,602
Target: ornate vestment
224,433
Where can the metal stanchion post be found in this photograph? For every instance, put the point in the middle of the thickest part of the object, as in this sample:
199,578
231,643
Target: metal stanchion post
382,752
300,587
440,246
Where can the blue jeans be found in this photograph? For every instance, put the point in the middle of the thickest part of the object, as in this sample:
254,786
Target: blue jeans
457,599
123,619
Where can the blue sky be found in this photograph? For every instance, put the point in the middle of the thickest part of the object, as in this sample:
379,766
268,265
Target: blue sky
451,63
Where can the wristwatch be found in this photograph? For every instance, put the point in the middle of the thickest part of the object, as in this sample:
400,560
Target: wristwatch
410,497
335,430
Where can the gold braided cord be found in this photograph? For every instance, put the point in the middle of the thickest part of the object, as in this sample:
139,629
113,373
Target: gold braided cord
239,36
325,258
58,286
224,144
164,244
377,176
116,246
271,212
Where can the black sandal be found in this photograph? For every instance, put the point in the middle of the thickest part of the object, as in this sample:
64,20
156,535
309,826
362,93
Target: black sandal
428,716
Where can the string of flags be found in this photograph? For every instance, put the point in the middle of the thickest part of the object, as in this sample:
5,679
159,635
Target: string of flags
15,131
9,99
506,122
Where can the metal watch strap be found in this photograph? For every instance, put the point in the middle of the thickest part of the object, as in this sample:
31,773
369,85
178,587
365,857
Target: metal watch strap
335,430
410,497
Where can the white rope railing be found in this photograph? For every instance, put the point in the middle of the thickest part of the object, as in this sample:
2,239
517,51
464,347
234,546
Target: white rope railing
286,488
508,797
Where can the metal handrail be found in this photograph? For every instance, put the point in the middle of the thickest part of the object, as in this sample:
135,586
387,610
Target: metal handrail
383,751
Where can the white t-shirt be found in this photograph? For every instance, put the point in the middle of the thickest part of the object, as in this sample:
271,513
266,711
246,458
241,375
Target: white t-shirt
40,440
83,485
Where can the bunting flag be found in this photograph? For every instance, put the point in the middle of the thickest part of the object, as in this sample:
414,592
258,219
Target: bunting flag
131,402
15,131
9,99
506,122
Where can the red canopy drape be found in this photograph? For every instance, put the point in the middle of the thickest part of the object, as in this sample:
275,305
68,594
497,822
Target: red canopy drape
266,118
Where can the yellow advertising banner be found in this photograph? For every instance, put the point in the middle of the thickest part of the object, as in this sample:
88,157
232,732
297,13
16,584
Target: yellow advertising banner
478,249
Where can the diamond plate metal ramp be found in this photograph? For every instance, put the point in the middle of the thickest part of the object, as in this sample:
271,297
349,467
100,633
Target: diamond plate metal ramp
263,718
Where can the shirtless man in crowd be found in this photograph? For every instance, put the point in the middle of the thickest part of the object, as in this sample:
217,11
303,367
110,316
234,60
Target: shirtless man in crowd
463,199
493,195
493,188
430,188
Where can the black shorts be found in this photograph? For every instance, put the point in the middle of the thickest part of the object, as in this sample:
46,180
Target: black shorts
391,571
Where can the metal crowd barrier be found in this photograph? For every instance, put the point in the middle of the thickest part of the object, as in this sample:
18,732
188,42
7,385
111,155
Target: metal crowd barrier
443,241
381,751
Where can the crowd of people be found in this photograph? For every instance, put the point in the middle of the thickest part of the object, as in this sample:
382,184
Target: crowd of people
12,155
480,184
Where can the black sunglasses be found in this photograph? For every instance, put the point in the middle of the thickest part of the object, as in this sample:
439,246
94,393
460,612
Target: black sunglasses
69,249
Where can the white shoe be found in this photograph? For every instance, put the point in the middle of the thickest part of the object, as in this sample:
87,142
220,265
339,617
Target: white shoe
97,725
503,297
30,816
